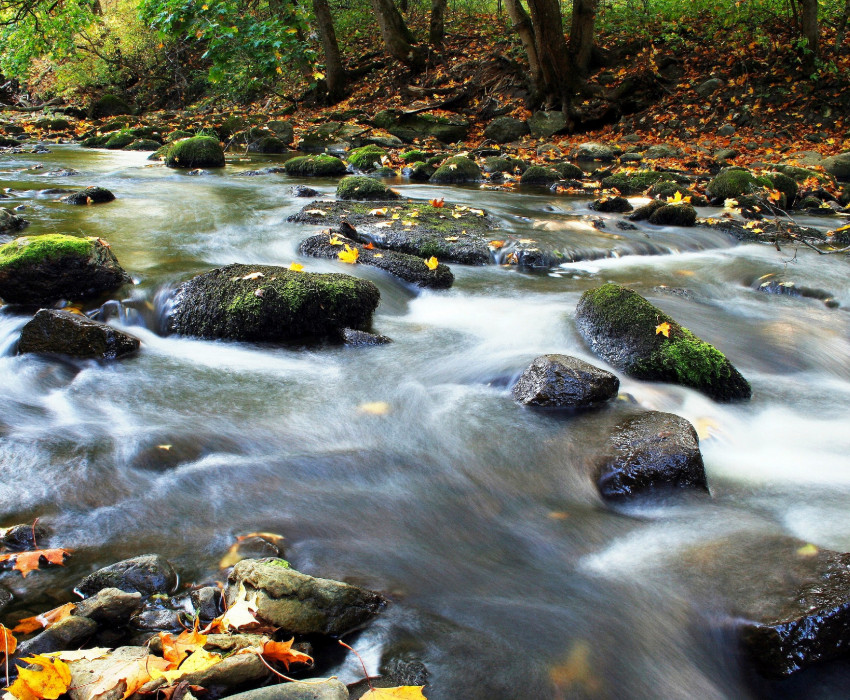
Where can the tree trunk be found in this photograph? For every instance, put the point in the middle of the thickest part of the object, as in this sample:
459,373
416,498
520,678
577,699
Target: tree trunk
811,31
582,34
522,24
334,72
397,37
437,24
559,77
842,27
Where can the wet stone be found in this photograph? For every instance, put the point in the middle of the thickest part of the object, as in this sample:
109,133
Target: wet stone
561,381
109,606
56,332
147,574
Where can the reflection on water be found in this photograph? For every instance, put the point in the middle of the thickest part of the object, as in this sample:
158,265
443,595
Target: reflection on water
513,580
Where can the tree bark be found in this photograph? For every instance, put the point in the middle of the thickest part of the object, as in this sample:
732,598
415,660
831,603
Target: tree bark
334,72
582,34
522,24
811,31
559,77
840,32
437,23
398,39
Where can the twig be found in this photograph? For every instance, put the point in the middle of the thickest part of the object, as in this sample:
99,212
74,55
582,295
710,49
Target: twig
360,658
823,252
34,545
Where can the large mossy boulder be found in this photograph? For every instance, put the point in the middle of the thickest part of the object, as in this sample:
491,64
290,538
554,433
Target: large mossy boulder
363,188
110,106
195,152
838,166
46,269
641,340
268,144
732,182
538,175
410,127
55,332
679,214
301,604
505,129
457,170
653,452
315,166
545,124
275,304
366,158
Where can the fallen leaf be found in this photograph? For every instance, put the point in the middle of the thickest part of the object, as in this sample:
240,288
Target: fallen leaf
369,246
431,263
175,649
43,621
253,276
451,239
375,408
437,203
335,240
241,613
283,652
199,660
80,654
113,671
349,255
316,212
25,562
48,682
663,328
807,550
378,212
8,643
402,692
296,267
496,244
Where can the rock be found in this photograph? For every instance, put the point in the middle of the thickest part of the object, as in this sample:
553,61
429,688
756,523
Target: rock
268,144
709,87
406,267
363,188
267,303
418,171
537,175
561,381
609,205
19,538
45,269
5,598
568,171
497,164
147,574
543,125
110,106
10,222
331,135
366,158
89,675
178,135
661,151
799,174
773,286
119,140
410,127
207,602
726,130
634,183
109,606
195,152
302,604
838,166
56,332
303,191
595,151
721,155
457,170
90,195
155,619
233,673
731,182
785,184
143,145
69,633
357,339
315,166
674,215
314,689
651,452
283,130
505,129
620,326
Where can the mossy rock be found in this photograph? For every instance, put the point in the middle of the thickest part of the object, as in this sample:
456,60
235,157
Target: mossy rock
361,187
457,170
143,145
418,171
568,171
10,222
785,184
98,141
268,145
46,269
674,215
195,152
178,135
435,161
669,188
413,156
497,164
611,205
635,183
315,166
90,195
282,129
622,327
273,304
230,126
538,175
642,213
110,106
366,158
159,153
799,174
732,182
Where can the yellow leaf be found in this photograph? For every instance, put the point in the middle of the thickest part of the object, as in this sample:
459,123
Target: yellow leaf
450,238
375,408
334,240
730,203
8,643
663,328
379,255
318,75
477,212
51,681
396,216
456,215
496,244
199,660
241,613
316,212
43,621
407,222
378,212
413,214
431,263
349,255
807,550
402,692
296,267
253,276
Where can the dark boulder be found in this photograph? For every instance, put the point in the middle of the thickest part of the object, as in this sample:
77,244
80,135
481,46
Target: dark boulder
109,606
147,574
268,144
561,381
679,214
303,191
5,598
542,124
110,106
56,332
627,331
359,339
611,205
505,129
457,170
90,195
315,166
538,175
409,127
10,222
45,269
267,303
651,453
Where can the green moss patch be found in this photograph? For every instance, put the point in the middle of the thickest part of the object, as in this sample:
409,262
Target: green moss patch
363,188
315,166
32,250
195,152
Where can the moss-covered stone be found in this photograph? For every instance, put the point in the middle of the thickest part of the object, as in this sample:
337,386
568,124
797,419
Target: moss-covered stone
268,303
457,170
315,166
732,182
178,135
90,195
56,332
45,269
195,152
366,158
642,213
785,184
497,164
361,187
611,205
621,326
680,214
110,106
568,171
668,188
96,141
143,145
799,174
267,144
634,183
418,171
413,156
538,175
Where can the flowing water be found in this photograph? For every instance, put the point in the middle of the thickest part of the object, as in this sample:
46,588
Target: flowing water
408,468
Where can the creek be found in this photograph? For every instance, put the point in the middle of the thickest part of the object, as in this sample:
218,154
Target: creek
408,468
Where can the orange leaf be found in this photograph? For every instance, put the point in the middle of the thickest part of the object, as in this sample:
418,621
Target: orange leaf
8,643
402,692
437,203
175,649
369,246
49,682
30,561
43,621
282,651
663,328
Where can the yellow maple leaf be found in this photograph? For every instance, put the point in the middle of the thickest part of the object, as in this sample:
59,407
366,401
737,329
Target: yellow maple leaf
431,263
349,255
198,660
48,682
730,203
296,267
8,643
402,692
334,240
663,328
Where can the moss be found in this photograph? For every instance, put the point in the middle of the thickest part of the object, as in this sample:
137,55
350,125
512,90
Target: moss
568,171
418,171
366,158
681,214
30,250
315,166
195,152
268,144
731,182
694,362
496,164
98,141
611,205
537,175
456,170
143,145
785,184
361,187
177,135
413,156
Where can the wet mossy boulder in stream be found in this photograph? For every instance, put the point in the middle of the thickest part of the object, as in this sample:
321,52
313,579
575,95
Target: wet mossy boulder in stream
274,304
679,214
268,144
561,381
653,452
301,604
55,332
538,175
90,195
364,188
46,269
366,158
641,340
195,152
611,205
734,182
119,140
457,170
409,127
635,183
315,166
10,222
143,145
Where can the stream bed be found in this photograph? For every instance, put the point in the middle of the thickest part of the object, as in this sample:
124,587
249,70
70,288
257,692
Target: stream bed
408,468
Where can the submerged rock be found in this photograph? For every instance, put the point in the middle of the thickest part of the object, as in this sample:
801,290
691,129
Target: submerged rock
356,339
652,452
627,331
674,215
195,152
611,205
302,604
537,175
406,267
45,269
268,303
10,222
561,381
57,332
147,574
90,195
